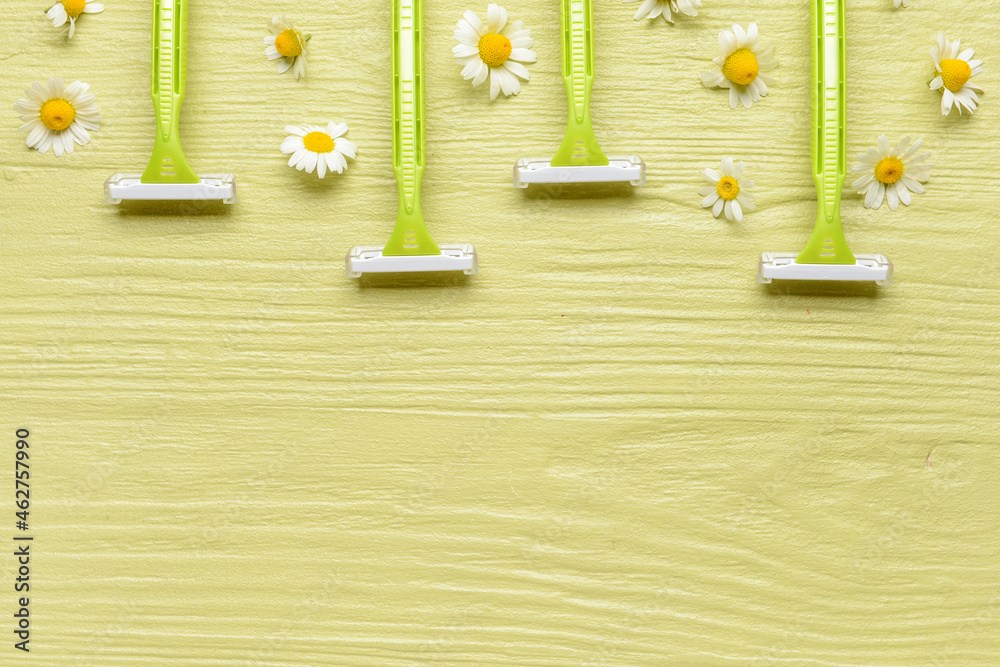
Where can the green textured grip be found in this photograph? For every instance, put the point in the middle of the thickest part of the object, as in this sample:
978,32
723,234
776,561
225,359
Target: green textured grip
410,235
829,120
167,164
579,146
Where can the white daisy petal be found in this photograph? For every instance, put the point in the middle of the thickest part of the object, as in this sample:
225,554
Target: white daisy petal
481,73
862,183
728,42
903,193
746,201
870,195
737,210
494,85
467,34
518,69
312,159
719,205
741,35
338,130
496,17
80,135
913,185
890,193
297,157
347,147
59,15
472,69
712,79
292,144
523,55
473,21
37,134
508,82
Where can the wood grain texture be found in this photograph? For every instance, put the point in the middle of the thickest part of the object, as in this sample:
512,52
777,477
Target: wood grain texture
609,448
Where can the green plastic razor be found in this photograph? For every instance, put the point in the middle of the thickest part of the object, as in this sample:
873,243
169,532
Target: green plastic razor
410,235
168,175
580,158
827,255
410,248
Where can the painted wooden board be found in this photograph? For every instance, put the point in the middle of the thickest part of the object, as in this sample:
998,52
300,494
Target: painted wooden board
612,447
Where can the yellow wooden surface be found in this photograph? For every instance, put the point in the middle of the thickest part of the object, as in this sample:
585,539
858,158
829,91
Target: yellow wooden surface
612,447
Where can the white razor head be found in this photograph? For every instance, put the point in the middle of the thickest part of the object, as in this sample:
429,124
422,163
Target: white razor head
122,187
454,257
630,169
782,266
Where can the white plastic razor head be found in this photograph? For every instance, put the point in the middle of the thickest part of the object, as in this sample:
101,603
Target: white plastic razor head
782,266
121,187
454,257
629,169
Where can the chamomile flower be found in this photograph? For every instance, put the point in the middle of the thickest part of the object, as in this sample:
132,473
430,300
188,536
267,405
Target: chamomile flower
955,69
891,172
287,45
70,10
493,51
650,9
56,115
741,66
313,147
727,194
900,3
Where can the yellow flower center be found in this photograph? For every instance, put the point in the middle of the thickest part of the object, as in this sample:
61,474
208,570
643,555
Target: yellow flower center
494,49
956,73
728,187
889,170
741,67
318,142
57,114
74,7
289,43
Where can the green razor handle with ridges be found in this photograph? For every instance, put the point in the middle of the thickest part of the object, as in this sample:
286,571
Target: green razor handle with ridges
829,148
579,146
410,235
168,165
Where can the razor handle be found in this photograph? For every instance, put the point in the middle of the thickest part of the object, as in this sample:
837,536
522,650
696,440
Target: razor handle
828,143
168,164
410,235
579,146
